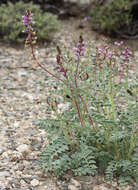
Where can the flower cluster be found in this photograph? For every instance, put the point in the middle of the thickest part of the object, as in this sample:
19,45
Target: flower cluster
27,19
119,44
86,18
126,54
80,48
105,52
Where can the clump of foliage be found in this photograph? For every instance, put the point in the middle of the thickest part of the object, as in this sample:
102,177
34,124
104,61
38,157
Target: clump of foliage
111,15
11,25
92,112
97,132
93,128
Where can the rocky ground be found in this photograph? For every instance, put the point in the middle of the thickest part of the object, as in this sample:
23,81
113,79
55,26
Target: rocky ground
20,108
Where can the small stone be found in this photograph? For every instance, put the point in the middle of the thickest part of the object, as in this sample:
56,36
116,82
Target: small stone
114,184
1,151
4,174
21,167
124,188
96,187
102,187
75,182
34,182
23,183
24,149
127,188
21,74
73,187
64,107
31,132
5,155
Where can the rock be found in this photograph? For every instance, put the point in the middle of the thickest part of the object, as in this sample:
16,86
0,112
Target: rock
4,174
73,187
96,187
31,131
5,154
22,74
75,182
1,151
101,187
22,182
64,107
24,149
124,188
34,182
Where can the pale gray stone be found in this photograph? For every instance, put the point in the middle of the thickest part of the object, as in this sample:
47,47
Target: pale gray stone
73,187
4,174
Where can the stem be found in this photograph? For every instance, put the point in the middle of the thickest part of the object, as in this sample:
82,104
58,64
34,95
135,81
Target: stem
85,106
84,103
77,67
112,96
132,139
78,110
35,59
126,84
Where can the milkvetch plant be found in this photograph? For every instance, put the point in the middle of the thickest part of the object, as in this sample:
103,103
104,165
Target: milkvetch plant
92,111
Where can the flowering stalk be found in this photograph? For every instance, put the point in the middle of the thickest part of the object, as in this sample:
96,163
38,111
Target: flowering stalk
28,21
60,63
126,56
79,53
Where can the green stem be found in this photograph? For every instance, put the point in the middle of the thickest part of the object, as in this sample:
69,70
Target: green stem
132,140
126,84
112,96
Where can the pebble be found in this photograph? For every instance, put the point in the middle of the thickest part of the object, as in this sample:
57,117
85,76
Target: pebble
24,148
73,187
22,182
4,174
75,182
22,74
1,151
124,188
101,187
34,182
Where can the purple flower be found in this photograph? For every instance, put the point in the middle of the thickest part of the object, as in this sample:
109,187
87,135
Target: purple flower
27,19
110,55
118,44
86,18
121,43
80,48
63,70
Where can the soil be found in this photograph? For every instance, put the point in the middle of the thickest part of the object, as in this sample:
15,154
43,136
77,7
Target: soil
21,107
